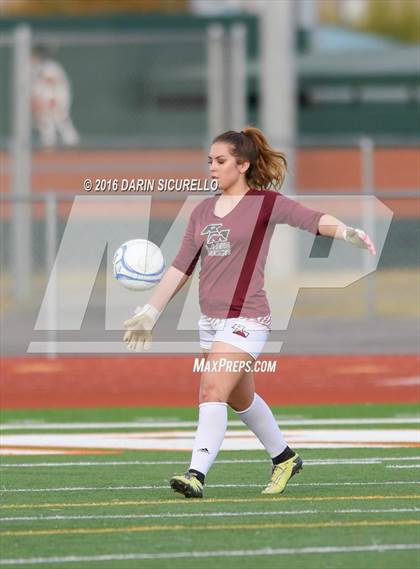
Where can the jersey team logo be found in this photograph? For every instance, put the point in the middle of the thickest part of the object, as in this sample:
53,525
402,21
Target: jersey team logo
240,330
217,243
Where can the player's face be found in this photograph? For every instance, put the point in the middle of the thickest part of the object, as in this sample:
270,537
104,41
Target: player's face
224,166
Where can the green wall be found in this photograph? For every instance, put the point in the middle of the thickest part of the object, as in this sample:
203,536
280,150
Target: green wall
154,94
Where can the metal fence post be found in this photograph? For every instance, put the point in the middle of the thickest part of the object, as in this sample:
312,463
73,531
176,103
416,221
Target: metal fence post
21,165
278,102
51,251
368,215
237,78
216,100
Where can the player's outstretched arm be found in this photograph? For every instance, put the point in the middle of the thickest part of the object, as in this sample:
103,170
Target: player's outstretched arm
138,335
330,226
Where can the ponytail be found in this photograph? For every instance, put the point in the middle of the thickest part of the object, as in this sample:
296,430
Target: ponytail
267,167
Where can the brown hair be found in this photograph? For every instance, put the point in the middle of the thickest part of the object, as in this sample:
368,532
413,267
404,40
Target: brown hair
267,167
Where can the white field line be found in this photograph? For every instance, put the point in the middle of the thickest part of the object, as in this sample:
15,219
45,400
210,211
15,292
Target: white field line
163,487
27,425
308,462
205,515
183,440
403,466
325,550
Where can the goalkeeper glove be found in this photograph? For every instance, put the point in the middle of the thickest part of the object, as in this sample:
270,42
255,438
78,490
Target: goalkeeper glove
139,328
359,238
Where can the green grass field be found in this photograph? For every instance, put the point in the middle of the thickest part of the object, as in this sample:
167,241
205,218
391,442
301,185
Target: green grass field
350,507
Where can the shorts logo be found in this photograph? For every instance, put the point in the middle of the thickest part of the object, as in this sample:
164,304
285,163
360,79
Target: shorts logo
217,244
205,450
240,330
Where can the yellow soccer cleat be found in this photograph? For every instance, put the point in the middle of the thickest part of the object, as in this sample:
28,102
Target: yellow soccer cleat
187,484
282,473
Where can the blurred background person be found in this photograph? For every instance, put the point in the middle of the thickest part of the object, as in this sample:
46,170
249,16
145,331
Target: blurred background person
51,101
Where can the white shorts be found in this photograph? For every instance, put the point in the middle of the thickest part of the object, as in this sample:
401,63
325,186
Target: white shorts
247,334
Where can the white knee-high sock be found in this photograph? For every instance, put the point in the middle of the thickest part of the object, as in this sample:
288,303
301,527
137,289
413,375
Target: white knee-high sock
260,419
212,423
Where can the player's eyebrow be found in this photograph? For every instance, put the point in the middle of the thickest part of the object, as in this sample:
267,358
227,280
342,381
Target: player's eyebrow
216,157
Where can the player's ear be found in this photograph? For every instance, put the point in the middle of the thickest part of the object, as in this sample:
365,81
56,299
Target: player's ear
243,166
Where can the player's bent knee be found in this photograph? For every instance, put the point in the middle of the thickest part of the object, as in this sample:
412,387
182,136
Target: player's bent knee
240,404
211,395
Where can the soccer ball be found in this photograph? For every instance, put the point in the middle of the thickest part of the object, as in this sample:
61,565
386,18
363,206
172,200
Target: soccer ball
138,264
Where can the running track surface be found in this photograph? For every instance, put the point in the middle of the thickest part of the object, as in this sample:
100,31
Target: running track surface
169,381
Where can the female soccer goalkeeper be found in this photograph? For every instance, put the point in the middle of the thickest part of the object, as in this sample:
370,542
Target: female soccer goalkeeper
230,233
